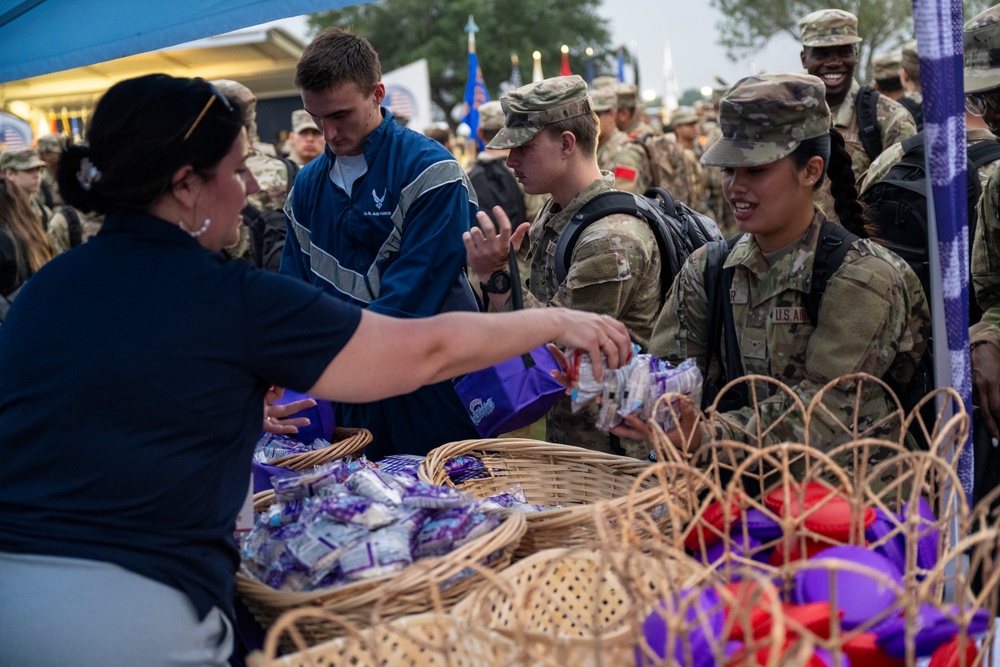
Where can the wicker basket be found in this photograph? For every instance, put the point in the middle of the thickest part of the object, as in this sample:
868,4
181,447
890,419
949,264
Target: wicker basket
427,584
550,474
424,640
344,441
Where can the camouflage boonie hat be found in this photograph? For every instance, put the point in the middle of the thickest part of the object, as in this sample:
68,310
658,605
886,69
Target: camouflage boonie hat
301,120
52,143
530,108
886,66
243,96
684,117
982,51
604,82
829,27
765,117
908,58
20,159
603,99
491,116
628,95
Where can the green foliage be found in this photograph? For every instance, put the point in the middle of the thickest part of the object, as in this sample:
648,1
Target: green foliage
689,97
884,24
403,31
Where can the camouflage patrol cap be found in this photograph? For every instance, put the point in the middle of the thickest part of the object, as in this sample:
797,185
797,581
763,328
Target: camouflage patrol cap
829,27
908,58
52,143
982,51
684,116
604,82
603,99
301,120
20,159
628,95
765,117
491,116
243,96
530,108
886,66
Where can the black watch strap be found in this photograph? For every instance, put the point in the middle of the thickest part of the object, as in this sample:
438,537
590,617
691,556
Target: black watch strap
499,283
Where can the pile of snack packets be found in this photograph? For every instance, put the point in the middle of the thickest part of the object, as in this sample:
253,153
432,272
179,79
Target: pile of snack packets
632,389
351,520
272,447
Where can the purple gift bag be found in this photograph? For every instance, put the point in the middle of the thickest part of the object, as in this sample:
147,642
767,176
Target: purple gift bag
321,419
513,393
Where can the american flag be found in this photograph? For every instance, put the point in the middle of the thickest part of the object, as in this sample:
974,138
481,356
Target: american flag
399,101
14,132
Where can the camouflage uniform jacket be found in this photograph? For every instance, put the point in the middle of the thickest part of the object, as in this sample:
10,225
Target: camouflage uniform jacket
986,262
890,156
272,176
615,270
607,148
631,168
90,224
873,309
894,123
639,128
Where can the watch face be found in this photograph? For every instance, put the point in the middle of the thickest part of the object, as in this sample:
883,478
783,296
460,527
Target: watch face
499,282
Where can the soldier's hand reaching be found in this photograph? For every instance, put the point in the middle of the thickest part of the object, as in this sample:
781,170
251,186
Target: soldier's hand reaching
488,245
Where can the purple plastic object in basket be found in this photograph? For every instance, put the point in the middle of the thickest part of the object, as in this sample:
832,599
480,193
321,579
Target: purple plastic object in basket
710,619
737,547
761,526
894,549
859,596
932,629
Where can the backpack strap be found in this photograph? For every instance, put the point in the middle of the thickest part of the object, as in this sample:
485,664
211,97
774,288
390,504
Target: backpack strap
866,111
983,152
73,225
831,247
610,203
718,281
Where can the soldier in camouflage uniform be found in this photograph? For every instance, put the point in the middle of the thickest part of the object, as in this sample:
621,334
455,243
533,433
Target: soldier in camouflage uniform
873,317
50,149
982,97
616,153
272,173
830,52
630,112
551,131
909,76
885,72
23,167
685,124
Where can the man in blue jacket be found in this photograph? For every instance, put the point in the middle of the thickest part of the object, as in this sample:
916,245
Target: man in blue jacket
377,220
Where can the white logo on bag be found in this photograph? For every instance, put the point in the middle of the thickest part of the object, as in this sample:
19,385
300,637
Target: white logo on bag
479,410
379,200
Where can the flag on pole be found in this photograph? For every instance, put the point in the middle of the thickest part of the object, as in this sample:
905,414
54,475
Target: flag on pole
536,69
564,70
938,25
475,88
671,91
590,66
515,72
621,64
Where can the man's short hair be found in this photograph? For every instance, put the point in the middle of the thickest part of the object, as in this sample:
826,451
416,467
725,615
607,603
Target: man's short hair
335,57
585,128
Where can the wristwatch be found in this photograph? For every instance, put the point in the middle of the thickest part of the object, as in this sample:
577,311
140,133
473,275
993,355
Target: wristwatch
499,283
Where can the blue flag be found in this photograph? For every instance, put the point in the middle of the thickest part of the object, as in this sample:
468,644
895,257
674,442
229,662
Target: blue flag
590,70
621,64
475,95
938,26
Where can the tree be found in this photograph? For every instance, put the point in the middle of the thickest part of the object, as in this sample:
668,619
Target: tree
406,30
689,97
884,24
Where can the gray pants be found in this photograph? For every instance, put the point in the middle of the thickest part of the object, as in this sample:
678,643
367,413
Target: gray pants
83,613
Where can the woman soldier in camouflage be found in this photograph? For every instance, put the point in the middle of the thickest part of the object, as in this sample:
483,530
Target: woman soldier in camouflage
777,147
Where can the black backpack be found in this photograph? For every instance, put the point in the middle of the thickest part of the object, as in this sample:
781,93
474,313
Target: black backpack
679,231
73,225
496,186
897,206
866,111
831,248
268,230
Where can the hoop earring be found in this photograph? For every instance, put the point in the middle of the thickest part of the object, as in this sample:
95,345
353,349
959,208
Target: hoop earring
199,232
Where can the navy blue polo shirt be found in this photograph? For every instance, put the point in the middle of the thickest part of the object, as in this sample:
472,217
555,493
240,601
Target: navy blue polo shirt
132,376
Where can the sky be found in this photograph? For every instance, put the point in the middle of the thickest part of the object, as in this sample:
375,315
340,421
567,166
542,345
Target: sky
645,25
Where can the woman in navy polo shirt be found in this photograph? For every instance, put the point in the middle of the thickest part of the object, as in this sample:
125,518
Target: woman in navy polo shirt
132,376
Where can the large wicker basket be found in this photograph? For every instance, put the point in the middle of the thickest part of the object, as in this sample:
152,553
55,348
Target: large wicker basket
343,442
421,587
551,475
423,640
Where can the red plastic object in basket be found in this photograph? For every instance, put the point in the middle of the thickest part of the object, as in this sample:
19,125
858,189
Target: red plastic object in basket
863,651
833,519
949,655
809,496
715,516
813,547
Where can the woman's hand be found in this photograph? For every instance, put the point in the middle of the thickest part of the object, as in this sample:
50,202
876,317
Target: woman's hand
275,415
594,334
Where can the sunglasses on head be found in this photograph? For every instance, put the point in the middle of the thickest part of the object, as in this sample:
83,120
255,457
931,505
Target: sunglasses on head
978,103
216,94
